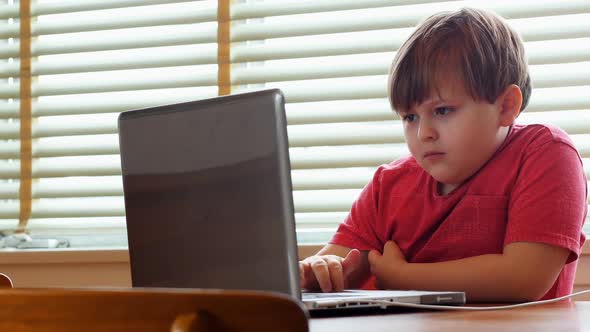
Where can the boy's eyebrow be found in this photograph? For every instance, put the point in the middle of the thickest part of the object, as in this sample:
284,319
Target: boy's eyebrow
425,102
440,100
428,102
436,100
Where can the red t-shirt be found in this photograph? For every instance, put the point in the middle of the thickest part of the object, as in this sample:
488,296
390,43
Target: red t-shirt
533,189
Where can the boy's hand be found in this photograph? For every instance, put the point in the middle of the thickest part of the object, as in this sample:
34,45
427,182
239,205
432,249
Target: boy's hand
328,272
385,267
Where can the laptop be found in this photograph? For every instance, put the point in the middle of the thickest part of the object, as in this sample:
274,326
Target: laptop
208,201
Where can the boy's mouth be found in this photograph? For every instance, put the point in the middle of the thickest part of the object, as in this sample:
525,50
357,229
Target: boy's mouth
432,155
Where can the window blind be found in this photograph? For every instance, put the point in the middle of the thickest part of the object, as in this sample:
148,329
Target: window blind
90,61
94,59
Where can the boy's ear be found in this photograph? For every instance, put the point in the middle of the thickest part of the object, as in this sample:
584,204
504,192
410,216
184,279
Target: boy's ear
509,103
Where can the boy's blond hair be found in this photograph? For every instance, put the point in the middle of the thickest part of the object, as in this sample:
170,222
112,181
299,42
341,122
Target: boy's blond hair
474,46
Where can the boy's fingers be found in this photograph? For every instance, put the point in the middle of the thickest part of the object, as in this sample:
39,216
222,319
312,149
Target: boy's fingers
307,276
374,257
351,262
302,275
322,274
327,272
391,248
336,276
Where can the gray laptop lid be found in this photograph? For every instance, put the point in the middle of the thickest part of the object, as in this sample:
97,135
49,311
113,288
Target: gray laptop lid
203,181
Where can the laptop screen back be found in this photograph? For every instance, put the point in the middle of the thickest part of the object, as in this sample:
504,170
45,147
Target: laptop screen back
208,194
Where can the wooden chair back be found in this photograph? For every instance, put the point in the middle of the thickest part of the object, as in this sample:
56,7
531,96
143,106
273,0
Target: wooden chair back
148,310
5,281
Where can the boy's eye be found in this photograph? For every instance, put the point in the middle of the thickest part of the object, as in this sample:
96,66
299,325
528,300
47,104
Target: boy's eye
443,110
409,117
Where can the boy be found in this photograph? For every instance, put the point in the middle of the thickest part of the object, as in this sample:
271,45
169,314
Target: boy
483,205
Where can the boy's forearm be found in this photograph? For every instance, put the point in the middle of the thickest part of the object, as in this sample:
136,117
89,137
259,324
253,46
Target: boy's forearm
486,278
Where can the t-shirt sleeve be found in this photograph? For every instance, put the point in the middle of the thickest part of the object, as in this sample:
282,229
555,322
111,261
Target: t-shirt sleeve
548,203
358,229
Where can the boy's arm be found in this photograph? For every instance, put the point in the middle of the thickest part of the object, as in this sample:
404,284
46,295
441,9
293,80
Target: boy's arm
525,271
334,268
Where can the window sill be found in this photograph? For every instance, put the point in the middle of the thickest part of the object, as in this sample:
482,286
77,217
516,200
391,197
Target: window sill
64,256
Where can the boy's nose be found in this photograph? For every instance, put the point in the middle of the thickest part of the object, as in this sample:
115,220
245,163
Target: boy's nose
426,132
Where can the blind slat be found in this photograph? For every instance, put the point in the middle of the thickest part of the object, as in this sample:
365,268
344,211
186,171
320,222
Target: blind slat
551,76
90,166
80,45
552,28
62,7
78,187
87,125
65,146
558,51
520,9
307,72
312,26
72,26
314,48
545,27
539,52
243,11
372,89
203,57
83,207
88,105
318,220
113,85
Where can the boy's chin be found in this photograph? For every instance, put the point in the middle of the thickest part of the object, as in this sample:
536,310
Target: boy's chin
447,181
442,174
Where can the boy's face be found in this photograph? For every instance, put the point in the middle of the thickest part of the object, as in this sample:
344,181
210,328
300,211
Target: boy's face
451,135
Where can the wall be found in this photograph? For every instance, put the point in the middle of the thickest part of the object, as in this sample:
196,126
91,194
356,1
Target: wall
110,268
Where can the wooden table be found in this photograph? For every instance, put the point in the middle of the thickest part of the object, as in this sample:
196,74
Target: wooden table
562,316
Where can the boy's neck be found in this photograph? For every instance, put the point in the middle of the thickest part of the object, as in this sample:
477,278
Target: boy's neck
444,188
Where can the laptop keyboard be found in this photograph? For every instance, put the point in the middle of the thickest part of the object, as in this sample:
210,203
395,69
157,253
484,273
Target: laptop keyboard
315,296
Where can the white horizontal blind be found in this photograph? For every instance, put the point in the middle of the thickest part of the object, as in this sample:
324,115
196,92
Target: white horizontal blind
331,59
91,60
95,58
